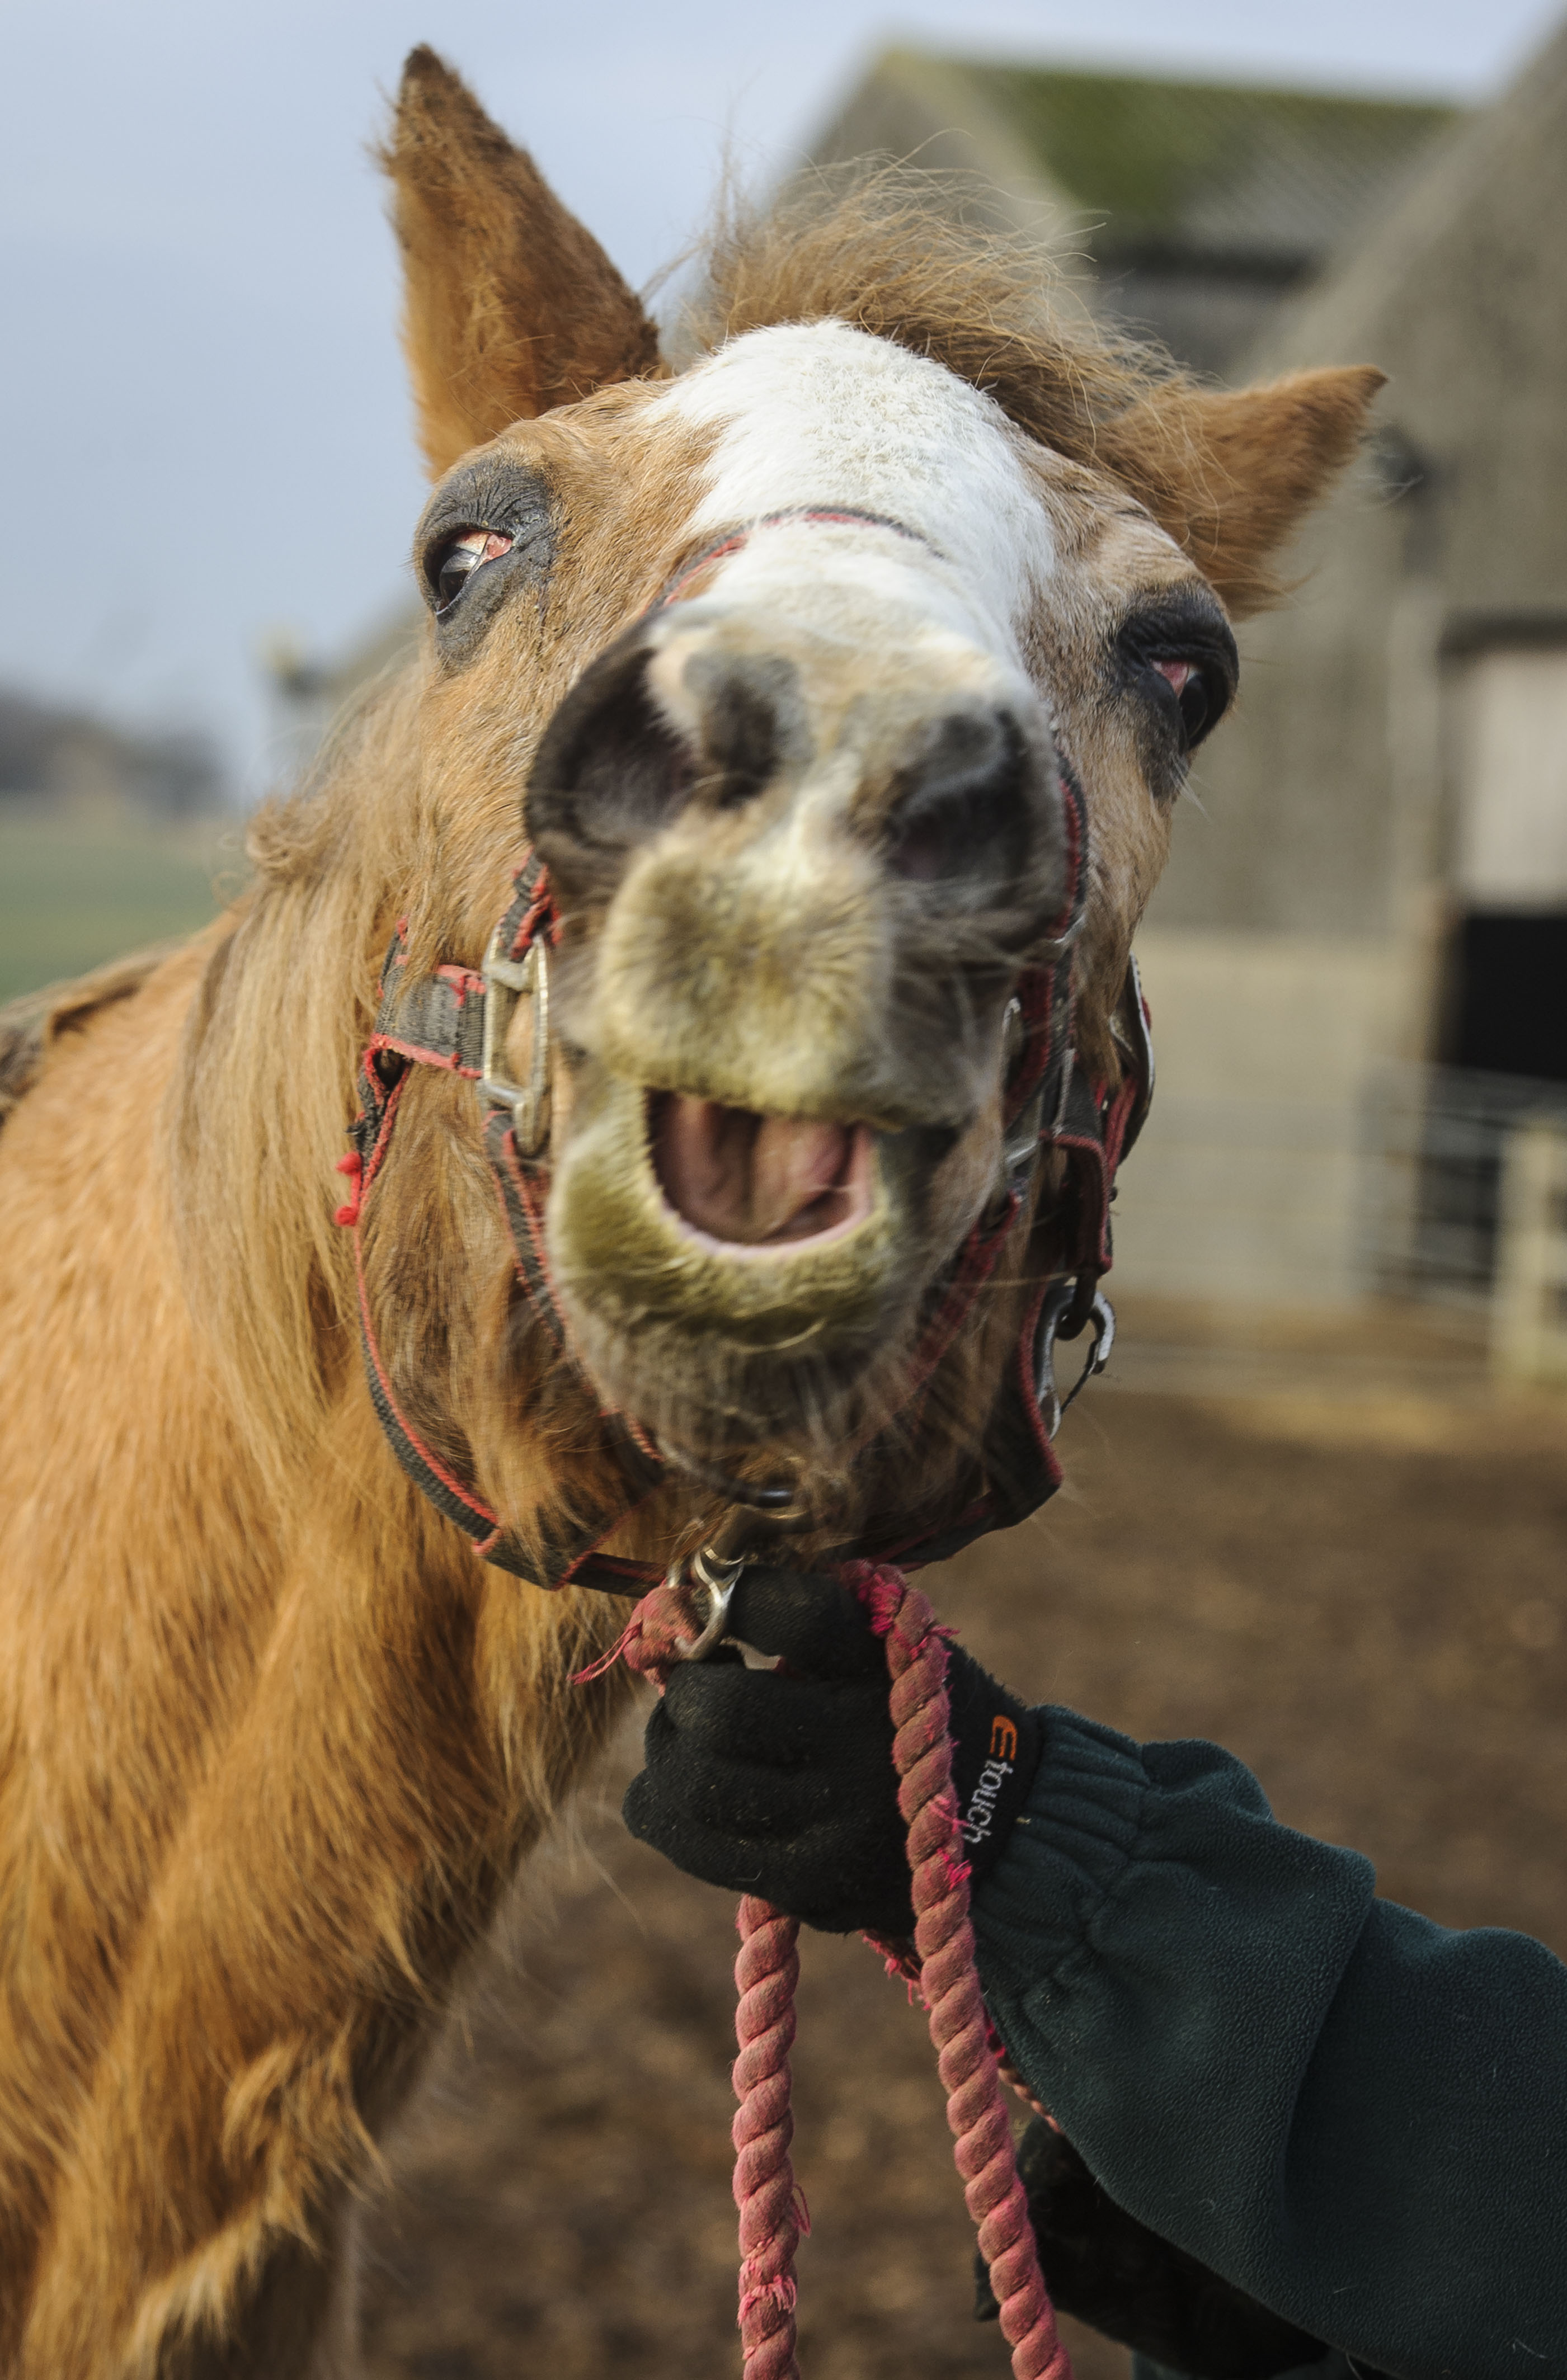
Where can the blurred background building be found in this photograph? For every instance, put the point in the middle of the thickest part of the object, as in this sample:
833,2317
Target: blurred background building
1358,957
68,762
1190,210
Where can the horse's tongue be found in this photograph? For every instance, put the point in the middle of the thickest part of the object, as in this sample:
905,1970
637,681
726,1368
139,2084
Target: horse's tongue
793,1166
741,1176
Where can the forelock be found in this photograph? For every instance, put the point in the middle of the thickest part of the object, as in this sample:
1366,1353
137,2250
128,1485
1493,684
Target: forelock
887,251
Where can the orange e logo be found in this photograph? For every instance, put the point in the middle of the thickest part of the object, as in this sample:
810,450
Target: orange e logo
1004,1740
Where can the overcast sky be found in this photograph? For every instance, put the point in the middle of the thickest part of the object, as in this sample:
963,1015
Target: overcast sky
204,423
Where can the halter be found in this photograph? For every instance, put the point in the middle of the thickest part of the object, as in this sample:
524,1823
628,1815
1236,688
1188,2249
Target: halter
456,1021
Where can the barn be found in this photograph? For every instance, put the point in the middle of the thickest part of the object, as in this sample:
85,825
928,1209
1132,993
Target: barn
1357,961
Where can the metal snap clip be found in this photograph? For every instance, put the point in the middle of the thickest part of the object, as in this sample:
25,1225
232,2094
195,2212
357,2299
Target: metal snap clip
718,1579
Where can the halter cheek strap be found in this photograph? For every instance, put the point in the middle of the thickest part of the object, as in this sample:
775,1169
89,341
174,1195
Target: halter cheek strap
447,1021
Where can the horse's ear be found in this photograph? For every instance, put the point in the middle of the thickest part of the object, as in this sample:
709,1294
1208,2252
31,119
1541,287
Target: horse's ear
510,306
1232,473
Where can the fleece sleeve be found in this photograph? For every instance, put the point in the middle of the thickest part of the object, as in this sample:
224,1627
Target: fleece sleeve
1354,2114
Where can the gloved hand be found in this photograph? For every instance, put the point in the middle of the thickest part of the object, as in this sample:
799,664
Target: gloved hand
781,1782
1110,2270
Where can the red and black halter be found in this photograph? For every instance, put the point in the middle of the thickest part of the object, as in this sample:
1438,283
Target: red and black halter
455,1020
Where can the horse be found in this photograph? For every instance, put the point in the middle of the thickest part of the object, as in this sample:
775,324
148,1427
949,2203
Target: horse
807,704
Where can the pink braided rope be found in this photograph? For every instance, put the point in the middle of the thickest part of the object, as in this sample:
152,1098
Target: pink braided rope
772,2210
949,1978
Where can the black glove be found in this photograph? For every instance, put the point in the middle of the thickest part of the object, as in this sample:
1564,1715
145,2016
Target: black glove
1111,2271
781,1782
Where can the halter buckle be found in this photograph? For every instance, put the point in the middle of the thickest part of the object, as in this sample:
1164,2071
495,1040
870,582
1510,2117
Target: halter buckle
508,981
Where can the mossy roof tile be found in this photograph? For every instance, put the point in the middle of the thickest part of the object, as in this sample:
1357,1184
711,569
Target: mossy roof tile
1213,167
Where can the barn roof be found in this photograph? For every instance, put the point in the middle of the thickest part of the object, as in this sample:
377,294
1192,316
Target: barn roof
1194,205
1210,168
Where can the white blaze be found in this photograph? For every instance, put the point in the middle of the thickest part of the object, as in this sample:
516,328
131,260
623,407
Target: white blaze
820,414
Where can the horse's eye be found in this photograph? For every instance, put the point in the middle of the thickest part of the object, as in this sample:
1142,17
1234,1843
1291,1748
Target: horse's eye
453,566
1194,699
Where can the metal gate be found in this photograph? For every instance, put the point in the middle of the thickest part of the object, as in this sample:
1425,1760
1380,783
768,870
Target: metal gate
1463,1200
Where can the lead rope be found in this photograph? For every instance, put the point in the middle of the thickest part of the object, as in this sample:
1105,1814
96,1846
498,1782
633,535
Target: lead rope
772,2210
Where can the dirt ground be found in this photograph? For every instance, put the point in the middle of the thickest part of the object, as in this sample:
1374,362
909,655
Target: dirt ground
1345,1558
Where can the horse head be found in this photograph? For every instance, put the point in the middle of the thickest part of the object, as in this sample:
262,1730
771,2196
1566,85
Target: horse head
846,680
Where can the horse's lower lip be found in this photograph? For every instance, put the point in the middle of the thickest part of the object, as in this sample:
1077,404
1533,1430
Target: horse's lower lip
750,1184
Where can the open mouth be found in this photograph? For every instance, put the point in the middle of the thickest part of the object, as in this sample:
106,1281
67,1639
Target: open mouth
753,1183
709,1258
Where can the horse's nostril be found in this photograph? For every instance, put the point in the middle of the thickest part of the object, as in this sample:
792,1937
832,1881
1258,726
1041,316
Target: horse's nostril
956,835
966,805
610,769
751,716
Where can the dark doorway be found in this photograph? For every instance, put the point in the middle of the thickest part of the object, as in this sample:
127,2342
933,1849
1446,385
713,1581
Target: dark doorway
1508,1006
1504,1046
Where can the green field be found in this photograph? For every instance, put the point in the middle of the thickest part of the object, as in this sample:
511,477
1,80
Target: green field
73,894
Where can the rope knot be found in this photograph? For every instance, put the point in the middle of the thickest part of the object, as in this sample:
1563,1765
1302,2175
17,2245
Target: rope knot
653,1638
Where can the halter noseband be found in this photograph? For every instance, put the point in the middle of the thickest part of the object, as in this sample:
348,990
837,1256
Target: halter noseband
458,1019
